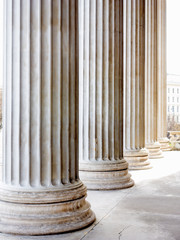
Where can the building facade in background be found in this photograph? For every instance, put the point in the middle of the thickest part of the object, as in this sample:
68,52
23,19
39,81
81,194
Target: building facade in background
173,97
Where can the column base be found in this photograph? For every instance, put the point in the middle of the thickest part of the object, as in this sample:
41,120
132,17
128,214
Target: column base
138,160
105,175
165,144
69,211
154,150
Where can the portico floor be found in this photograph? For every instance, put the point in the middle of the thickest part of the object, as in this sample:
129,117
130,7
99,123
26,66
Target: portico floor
148,211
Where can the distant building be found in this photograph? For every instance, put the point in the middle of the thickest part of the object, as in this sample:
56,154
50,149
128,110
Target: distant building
173,97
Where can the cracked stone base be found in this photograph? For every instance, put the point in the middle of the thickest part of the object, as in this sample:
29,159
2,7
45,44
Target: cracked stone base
138,160
106,175
45,218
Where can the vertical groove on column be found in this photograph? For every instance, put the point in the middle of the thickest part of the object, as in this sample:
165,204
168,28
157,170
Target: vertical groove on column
137,78
35,96
111,80
159,65
105,87
4,83
72,90
8,72
77,122
121,73
24,91
46,93
117,76
149,69
155,68
16,92
65,91
99,46
92,76
56,92
148,112
153,79
142,70
152,71
162,70
164,100
146,72
86,81
133,72
128,74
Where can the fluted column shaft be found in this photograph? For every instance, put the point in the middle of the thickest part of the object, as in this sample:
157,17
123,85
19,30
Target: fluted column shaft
40,183
151,80
161,75
102,165
134,85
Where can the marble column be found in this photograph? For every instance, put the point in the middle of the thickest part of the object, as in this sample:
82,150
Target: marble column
40,191
0,134
134,85
161,76
152,144
102,165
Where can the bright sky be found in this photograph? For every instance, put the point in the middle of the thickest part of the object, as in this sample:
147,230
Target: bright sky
173,36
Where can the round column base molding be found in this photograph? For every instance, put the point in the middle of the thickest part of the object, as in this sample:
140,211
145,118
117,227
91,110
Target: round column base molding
138,160
154,150
46,218
105,175
164,142
47,194
166,148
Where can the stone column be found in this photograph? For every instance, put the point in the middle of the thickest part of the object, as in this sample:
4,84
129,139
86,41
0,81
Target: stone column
161,75
1,106
102,165
152,144
0,134
134,149
40,192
